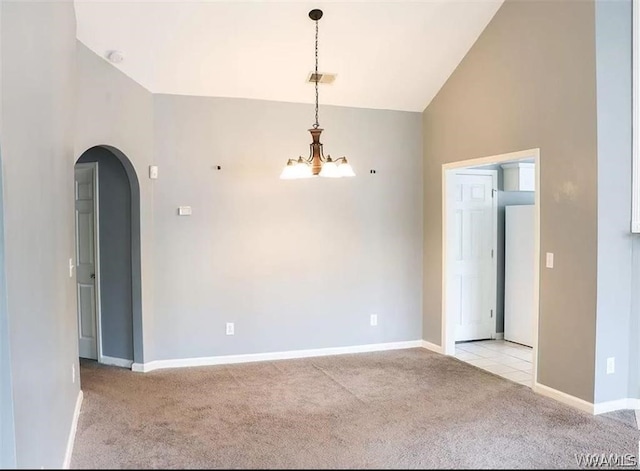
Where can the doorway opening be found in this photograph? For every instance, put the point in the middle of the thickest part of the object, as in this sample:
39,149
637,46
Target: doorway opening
107,258
491,263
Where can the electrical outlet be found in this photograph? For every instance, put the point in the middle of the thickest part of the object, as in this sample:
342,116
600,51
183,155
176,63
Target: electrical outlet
374,319
153,172
230,328
611,365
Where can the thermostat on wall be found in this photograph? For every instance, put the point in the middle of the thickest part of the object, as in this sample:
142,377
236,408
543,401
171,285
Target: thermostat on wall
184,210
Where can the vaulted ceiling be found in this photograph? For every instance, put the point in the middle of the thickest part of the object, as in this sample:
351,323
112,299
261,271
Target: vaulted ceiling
387,55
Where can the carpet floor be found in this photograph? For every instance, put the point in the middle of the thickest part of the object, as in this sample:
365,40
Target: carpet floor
397,409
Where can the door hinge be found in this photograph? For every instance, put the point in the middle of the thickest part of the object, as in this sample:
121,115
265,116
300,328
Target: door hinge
493,192
492,313
491,253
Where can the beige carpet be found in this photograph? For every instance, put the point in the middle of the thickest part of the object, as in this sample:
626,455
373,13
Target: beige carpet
399,409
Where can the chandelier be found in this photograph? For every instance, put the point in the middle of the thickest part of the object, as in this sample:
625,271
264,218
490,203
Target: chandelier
316,164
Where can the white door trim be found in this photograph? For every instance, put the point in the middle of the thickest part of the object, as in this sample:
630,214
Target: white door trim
96,241
494,232
448,332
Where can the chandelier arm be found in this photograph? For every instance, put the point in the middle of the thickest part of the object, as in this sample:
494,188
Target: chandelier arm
320,152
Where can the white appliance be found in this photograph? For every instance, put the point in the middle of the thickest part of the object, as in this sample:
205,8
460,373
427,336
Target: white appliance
519,262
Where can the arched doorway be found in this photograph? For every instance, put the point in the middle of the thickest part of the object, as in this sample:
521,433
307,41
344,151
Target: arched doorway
108,262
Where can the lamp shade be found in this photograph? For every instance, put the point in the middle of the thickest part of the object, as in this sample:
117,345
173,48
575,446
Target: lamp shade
303,170
345,170
329,170
289,172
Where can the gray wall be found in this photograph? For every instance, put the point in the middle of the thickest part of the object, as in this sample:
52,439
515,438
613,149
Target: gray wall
115,254
615,242
506,198
7,436
529,82
38,78
113,110
295,264
256,248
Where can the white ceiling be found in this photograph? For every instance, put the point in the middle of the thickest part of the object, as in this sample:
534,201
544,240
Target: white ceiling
388,55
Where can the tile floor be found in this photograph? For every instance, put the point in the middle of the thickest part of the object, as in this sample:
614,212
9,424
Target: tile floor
507,359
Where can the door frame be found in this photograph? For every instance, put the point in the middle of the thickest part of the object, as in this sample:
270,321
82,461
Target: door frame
96,253
450,175
448,327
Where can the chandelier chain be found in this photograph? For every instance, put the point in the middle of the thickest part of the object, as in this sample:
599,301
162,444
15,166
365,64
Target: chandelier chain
316,164
317,124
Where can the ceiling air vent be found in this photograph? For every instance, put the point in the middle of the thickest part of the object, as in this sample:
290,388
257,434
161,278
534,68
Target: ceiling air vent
321,78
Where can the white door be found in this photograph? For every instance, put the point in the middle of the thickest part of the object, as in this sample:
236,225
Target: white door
519,268
86,251
471,249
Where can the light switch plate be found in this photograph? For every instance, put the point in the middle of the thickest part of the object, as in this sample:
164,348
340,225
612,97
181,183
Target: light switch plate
611,365
549,260
184,210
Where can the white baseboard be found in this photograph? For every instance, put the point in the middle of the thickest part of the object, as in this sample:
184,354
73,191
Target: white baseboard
565,398
620,404
72,432
287,355
113,361
431,346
